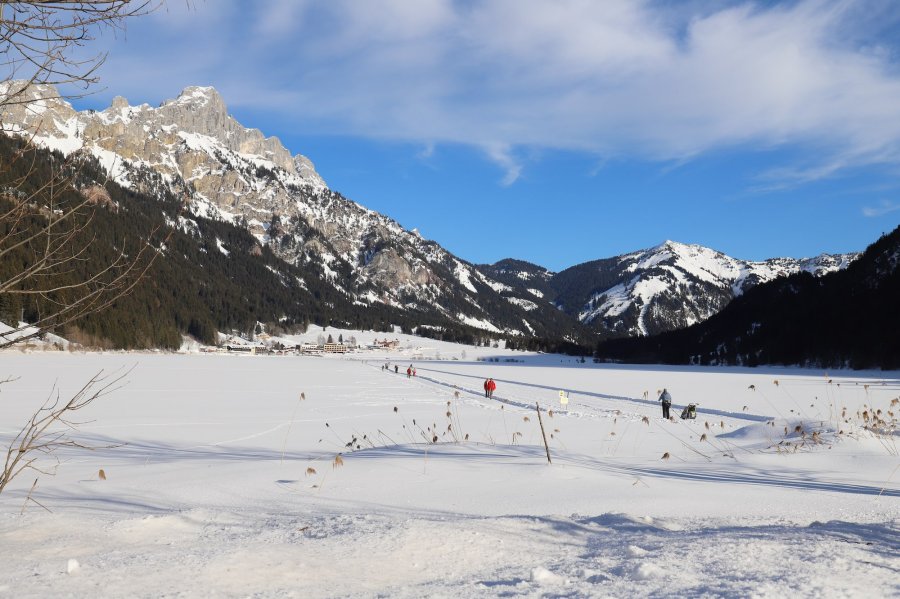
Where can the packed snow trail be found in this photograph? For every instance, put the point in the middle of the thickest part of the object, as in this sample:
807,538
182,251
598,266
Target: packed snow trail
618,398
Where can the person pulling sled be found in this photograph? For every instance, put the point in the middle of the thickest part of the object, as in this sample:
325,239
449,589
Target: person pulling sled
666,401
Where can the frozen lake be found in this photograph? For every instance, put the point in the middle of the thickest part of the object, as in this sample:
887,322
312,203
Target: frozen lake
222,481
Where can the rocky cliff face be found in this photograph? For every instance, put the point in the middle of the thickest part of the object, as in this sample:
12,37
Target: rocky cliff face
227,171
191,142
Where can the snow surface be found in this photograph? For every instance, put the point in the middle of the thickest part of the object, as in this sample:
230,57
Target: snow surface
478,323
26,340
220,479
463,275
525,304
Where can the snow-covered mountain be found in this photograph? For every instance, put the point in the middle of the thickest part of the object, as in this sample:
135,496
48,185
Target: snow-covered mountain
837,321
226,171
670,286
530,281
192,146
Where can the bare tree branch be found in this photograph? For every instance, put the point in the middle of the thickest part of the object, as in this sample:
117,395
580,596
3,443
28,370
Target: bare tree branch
48,429
46,221
39,40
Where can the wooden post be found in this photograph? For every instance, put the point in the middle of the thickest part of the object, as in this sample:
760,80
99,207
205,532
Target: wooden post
543,434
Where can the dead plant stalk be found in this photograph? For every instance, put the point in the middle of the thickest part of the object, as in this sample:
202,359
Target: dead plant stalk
50,427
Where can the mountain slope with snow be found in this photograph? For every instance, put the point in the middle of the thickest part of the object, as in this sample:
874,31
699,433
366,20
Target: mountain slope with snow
843,319
670,286
193,147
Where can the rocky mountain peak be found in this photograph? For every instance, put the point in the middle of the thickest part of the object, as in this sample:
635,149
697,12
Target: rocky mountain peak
234,171
20,90
307,171
119,103
201,110
200,97
682,250
26,107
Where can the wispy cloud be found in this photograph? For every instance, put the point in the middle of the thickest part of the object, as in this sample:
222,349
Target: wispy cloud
502,156
619,78
884,207
426,152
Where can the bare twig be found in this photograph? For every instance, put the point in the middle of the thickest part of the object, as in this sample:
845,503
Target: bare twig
49,427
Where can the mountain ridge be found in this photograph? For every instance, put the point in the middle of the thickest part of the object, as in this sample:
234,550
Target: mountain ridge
191,146
846,318
240,176
668,286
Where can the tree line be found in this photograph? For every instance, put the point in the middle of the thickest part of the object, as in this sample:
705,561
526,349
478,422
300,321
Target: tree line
847,318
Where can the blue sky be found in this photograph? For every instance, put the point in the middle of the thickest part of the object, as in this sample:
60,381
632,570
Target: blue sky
560,132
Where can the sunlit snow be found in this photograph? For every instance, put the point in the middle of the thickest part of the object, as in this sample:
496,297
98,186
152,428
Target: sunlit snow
221,478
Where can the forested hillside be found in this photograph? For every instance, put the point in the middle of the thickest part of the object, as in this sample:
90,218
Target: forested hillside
210,275
848,318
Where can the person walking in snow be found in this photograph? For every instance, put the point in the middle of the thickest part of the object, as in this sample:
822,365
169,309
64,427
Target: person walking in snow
666,401
486,393
409,371
396,369
491,386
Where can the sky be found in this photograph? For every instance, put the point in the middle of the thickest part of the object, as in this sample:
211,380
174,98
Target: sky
559,132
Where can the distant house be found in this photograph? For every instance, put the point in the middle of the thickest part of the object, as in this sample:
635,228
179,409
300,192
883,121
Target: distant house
242,348
310,348
334,348
385,344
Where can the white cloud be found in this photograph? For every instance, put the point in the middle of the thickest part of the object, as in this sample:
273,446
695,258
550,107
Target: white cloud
884,207
426,152
279,18
502,156
616,78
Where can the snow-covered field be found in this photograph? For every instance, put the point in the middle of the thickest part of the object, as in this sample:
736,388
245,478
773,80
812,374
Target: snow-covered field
221,481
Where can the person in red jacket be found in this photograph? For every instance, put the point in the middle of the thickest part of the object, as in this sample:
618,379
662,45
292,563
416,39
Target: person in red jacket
491,386
486,393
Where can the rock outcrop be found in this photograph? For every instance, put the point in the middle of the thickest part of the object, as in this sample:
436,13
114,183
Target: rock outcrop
227,171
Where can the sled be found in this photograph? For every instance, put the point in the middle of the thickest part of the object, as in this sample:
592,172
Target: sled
689,412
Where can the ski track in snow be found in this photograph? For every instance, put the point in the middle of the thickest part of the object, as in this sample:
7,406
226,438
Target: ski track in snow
621,398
